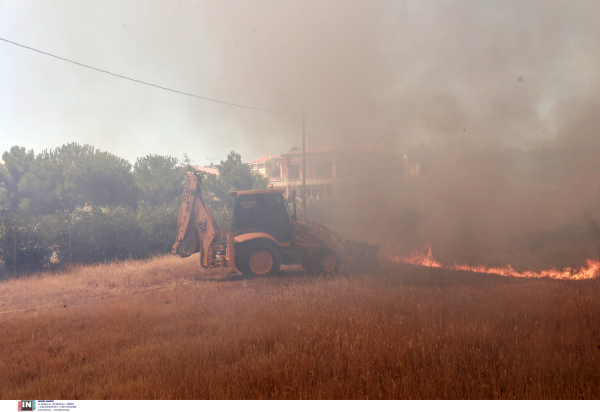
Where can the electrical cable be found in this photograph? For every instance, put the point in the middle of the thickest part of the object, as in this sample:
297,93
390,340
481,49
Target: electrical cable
150,84
199,97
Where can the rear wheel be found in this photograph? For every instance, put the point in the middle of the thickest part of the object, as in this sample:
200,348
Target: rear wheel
326,262
260,258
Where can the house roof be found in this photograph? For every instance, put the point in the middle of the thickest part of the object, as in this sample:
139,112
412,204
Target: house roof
207,170
265,158
315,150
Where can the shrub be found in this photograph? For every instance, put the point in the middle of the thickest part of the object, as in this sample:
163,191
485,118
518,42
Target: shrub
105,233
158,225
22,244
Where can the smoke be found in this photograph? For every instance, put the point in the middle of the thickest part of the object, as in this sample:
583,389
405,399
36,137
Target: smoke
478,73
532,209
483,74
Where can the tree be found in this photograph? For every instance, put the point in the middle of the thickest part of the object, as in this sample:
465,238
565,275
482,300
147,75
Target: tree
158,179
17,163
74,175
21,243
187,163
233,175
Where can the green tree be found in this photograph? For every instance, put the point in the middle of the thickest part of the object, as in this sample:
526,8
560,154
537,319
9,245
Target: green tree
22,243
187,164
233,175
158,179
17,163
74,175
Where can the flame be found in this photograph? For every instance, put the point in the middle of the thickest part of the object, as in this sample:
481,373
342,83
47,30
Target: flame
424,257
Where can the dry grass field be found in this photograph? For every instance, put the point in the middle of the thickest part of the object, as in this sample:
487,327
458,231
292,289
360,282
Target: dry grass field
165,329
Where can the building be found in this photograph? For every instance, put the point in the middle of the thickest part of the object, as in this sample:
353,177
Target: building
266,165
332,171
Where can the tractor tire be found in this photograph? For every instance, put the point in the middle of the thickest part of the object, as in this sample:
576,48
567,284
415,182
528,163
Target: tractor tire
326,262
260,258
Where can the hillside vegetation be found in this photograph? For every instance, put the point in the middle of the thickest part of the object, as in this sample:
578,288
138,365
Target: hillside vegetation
77,204
163,328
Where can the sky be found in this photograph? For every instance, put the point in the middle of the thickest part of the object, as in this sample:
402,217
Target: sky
473,73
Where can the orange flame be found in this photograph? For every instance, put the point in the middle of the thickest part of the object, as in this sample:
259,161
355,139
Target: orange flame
424,257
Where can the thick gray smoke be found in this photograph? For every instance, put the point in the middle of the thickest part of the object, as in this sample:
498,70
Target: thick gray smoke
478,73
533,210
483,74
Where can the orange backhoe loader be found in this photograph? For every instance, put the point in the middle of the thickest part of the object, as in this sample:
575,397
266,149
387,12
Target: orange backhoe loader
264,235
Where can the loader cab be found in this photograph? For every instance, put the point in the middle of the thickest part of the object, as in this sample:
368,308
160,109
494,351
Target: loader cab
262,211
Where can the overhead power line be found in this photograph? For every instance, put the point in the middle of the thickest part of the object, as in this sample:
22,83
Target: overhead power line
196,96
149,84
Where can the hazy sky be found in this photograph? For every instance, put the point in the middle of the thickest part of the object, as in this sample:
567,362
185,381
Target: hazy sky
491,73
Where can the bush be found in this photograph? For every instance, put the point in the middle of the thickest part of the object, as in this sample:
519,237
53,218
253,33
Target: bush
21,244
158,225
97,234
105,233
223,217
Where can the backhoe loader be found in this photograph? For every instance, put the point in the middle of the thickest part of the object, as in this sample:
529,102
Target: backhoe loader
264,235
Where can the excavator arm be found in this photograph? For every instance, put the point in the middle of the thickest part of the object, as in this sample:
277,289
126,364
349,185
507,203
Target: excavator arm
197,230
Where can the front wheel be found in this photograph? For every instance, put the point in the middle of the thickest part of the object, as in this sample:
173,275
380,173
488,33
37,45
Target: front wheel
260,258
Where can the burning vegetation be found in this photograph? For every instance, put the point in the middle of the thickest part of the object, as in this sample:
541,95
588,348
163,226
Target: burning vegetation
424,257
508,212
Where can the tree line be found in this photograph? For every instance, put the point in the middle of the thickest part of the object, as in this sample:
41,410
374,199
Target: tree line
78,204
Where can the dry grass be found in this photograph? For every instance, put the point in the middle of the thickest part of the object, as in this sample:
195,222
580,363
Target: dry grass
163,329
